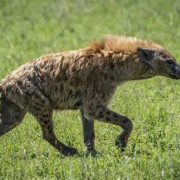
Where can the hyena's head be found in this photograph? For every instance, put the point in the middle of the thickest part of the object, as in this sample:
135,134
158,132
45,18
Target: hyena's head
160,61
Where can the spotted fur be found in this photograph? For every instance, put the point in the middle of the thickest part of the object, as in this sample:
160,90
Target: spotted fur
84,79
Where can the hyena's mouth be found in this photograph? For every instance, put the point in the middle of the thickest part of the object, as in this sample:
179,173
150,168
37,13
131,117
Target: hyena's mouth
174,76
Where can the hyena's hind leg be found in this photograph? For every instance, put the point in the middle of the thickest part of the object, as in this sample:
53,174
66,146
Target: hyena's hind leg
41,109
88,132
11,115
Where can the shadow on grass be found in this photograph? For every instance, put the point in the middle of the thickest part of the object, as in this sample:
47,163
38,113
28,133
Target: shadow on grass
86,154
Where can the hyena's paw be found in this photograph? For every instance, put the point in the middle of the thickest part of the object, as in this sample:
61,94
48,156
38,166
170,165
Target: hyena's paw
69,151
90,146
120,143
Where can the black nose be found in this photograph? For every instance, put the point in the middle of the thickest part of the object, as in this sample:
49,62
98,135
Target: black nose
177,71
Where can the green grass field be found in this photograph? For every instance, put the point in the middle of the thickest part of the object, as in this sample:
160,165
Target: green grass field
29,29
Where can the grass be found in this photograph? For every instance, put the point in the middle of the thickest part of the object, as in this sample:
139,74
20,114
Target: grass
32,28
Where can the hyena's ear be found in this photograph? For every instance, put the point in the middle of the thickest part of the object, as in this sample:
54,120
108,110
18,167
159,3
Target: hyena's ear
145,55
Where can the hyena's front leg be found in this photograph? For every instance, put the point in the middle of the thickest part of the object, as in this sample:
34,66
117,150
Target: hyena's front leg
102,113
41,108
88,132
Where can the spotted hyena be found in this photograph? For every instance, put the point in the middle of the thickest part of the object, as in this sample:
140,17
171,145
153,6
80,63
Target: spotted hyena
84,79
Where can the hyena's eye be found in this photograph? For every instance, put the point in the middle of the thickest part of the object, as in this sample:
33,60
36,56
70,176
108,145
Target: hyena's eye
170,61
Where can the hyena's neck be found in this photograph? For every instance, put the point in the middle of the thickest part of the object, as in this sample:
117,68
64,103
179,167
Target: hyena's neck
127,66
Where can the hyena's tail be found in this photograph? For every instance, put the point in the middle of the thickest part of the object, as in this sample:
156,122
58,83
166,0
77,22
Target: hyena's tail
11,115
0,97
0,103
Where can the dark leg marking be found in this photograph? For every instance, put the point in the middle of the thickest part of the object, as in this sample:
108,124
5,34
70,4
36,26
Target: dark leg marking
88,132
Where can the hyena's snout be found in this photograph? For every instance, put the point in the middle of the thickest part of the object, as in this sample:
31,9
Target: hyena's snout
172,70
175,71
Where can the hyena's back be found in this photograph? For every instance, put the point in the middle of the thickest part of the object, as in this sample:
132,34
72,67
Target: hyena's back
59,77
39,86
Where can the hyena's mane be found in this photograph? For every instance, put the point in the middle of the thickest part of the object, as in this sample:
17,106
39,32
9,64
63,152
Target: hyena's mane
121,43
